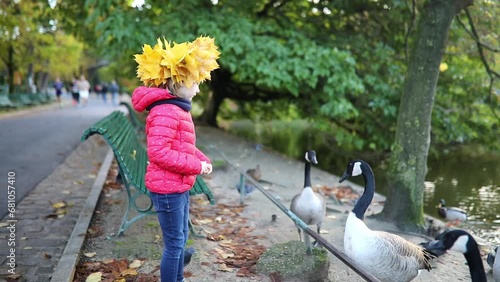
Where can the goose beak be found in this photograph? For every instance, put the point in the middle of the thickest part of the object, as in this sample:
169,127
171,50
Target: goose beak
436,247
344,177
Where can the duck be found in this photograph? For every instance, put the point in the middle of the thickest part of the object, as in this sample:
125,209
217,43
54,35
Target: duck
387,256
493,261
452,214
461,241
255,173
308,205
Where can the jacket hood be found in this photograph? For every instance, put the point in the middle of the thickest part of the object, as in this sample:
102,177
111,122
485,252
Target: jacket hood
143,96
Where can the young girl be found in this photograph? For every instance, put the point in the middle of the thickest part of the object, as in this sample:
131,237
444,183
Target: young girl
174,161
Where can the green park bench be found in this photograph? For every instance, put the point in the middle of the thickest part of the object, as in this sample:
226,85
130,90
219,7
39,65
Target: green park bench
138,125
132,160
5,102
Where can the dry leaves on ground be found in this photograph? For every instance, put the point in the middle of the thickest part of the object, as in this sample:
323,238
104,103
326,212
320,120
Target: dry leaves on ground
237,249
112,270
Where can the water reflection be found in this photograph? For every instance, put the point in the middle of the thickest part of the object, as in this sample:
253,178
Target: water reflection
465,179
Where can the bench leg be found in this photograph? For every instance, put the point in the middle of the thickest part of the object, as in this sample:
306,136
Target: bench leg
126,222
193,232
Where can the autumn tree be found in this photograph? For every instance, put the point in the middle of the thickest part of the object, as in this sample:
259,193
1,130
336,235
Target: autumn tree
32,45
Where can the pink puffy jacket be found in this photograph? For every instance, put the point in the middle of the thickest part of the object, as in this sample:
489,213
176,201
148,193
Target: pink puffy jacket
174,161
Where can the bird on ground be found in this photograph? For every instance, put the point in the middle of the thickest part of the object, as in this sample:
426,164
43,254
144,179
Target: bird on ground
255,173
308,205
188,254
249,188
461,241
493,261
385,255
452,214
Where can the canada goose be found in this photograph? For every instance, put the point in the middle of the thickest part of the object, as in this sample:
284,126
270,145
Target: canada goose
387,256
451,214
255,173
308,205
460,241
494,262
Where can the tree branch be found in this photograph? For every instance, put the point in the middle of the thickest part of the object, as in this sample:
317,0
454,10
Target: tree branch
473,33
491,73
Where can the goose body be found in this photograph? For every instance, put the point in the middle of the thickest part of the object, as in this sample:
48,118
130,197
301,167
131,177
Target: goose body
451,214
387,256
494,262
461,241
308,205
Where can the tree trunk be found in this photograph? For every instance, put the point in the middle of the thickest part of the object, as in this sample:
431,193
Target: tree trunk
220,81
209,116
408,163
11,68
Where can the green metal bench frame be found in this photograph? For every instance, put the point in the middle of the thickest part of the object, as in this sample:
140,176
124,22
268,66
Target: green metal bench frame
139,126
132,160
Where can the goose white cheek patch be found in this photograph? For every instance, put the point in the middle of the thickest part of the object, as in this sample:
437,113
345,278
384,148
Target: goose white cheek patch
356,170
460,244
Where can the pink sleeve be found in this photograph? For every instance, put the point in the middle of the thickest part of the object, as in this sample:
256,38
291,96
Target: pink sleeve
160,135
199,154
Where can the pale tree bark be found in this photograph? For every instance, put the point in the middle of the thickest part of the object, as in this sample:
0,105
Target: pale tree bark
408,163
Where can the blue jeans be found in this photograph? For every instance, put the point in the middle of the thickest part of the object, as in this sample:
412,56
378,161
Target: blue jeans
173,215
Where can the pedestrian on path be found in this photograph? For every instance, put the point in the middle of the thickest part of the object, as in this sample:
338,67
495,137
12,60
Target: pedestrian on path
75,92
114,89
58,86
174,159
83,89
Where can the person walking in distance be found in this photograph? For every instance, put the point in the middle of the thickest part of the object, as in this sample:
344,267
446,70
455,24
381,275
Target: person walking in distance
83,89
75,92
171,75
58,86
114,89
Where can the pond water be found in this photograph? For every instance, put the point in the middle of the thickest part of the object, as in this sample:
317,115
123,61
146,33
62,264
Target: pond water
465,178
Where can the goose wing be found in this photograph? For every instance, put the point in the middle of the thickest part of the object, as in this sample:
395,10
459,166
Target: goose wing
404,254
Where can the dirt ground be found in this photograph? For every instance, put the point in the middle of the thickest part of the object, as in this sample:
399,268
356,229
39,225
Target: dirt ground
234,235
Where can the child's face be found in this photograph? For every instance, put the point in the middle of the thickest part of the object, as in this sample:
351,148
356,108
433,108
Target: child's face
188,93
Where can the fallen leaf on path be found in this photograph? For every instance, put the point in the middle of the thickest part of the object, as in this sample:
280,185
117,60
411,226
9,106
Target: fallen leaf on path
129,271
59,205
94,277
223,267
90,255
135,264
13,276
78,182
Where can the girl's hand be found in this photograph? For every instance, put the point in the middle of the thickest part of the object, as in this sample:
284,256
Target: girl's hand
206,168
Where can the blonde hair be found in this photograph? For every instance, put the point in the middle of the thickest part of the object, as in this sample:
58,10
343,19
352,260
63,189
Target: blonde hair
172,86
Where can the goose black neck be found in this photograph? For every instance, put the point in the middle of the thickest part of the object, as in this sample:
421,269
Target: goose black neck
307,175
365,200
475,263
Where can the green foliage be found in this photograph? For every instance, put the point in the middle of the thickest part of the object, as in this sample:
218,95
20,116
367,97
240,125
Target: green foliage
339,64
64,53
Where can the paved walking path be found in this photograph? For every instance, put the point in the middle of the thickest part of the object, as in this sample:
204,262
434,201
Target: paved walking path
42,231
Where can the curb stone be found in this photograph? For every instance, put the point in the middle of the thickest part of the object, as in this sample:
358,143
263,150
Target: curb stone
65,269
